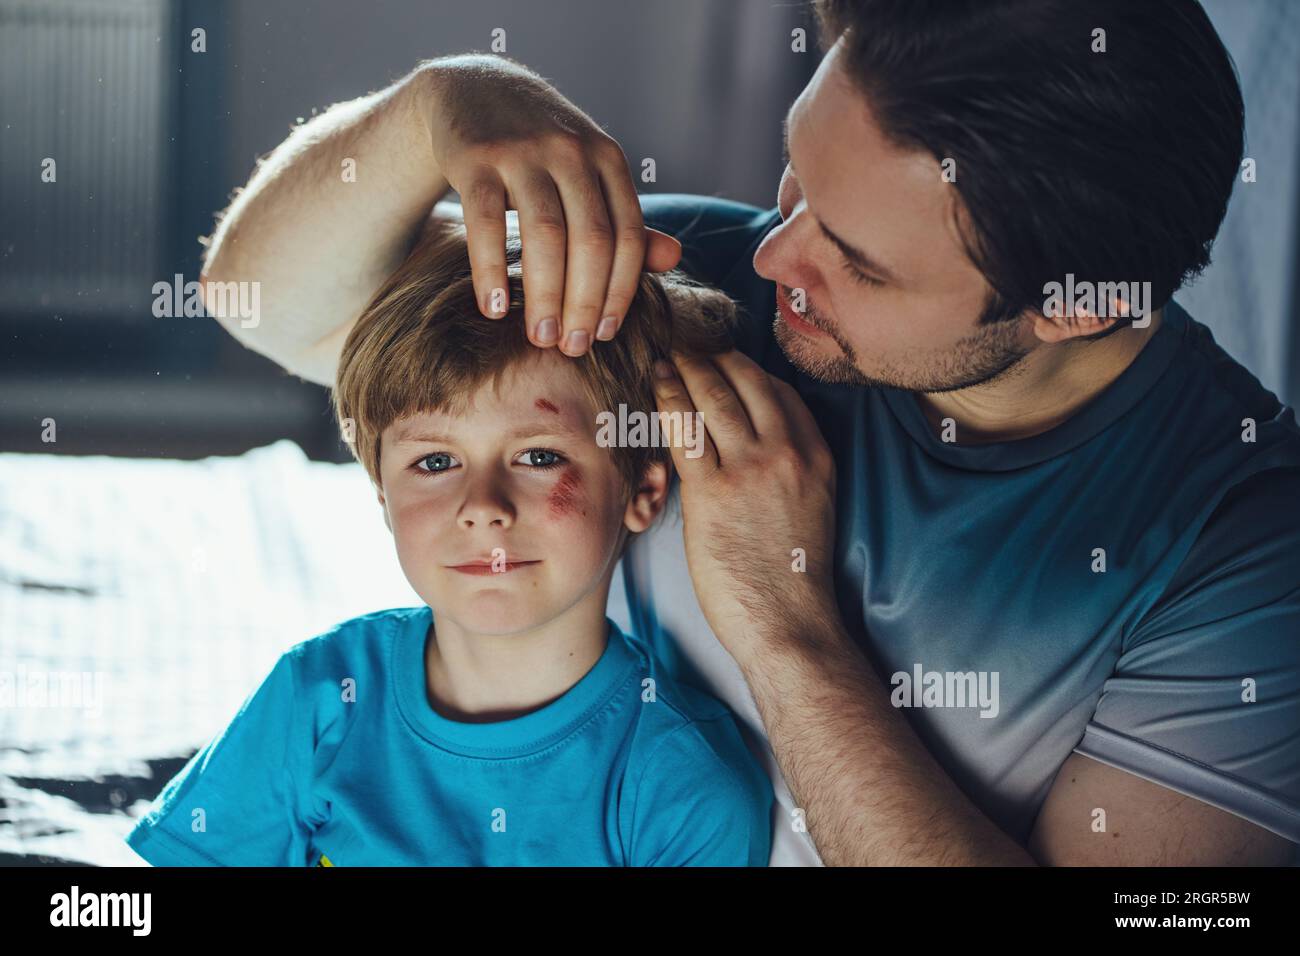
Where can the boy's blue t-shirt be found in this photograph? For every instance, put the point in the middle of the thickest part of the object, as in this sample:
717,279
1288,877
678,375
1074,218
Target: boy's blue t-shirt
338,759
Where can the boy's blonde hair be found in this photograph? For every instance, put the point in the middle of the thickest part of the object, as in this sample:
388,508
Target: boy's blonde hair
422,345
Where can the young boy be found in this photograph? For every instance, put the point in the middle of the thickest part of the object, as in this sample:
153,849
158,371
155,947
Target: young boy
507,721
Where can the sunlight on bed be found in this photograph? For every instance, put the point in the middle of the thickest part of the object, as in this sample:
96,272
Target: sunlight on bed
161,592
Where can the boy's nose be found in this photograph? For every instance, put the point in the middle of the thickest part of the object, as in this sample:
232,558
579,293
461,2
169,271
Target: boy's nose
483,510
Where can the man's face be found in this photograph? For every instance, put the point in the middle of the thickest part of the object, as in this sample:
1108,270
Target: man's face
908,317
519,481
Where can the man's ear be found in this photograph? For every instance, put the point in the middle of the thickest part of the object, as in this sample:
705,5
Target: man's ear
1053,329
649,498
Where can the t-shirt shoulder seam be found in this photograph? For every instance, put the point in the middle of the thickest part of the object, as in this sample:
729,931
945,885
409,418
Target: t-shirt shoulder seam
1240,381
737,784
686,712
388,616
1232,504
688,723
1271,483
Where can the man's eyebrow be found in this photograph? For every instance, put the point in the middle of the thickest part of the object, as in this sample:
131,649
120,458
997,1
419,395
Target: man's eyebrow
850,252
417,436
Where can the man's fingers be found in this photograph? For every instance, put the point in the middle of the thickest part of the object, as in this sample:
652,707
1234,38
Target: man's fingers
695,454
804,432
483,205
663,251
724,415
590,256
583,236
629,238
645,250
636,247
754,388
542,238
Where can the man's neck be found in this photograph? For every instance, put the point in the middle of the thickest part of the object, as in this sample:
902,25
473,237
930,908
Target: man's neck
1049,387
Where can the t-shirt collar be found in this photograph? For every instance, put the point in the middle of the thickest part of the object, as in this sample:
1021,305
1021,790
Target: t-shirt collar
506,738
1113,402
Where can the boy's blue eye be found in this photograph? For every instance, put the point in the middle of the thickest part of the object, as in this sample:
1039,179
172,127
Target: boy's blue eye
438,461
542,458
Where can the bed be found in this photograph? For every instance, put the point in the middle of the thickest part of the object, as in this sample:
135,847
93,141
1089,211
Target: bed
148,598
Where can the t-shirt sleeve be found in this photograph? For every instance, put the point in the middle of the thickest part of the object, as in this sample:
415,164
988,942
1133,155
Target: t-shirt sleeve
715,233
702,800
1205,697
719,237
239,800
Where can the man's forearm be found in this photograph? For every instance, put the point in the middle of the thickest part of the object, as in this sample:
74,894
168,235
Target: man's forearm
326,217
872,794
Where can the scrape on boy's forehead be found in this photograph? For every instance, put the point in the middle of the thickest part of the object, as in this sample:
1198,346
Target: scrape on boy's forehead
532,399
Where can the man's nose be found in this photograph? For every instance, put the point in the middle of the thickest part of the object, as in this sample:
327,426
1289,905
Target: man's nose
779,257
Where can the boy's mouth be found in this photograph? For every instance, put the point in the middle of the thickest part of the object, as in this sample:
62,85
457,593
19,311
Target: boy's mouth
490,566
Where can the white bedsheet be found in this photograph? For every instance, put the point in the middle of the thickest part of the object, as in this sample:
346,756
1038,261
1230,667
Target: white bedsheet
174,585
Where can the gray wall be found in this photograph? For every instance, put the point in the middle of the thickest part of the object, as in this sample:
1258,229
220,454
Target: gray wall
700,85
1248,296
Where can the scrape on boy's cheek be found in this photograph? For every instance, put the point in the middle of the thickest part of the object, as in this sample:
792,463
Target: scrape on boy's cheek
566,498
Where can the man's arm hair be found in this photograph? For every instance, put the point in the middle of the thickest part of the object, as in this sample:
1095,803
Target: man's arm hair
325,218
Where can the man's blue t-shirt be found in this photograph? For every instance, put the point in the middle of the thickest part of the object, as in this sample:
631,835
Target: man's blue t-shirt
1130,578
338,759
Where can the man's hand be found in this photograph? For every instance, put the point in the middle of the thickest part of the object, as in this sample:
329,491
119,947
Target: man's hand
506,139
758,501
319,243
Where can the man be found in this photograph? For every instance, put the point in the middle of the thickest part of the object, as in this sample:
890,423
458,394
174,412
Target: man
1059,623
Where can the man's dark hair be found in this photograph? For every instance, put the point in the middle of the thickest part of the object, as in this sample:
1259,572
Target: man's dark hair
1114,166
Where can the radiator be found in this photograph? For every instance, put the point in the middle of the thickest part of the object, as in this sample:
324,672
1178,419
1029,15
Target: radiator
89,84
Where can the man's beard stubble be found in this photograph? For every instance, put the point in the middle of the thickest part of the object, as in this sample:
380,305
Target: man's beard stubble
991,351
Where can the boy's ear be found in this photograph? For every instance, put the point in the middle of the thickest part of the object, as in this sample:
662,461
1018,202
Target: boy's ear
650,497
384,507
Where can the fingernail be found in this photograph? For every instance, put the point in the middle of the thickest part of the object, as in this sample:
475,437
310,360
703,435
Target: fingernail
608,326
663,369
576,342
547,331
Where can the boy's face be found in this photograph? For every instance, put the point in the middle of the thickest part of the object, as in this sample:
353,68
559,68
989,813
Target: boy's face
509,514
